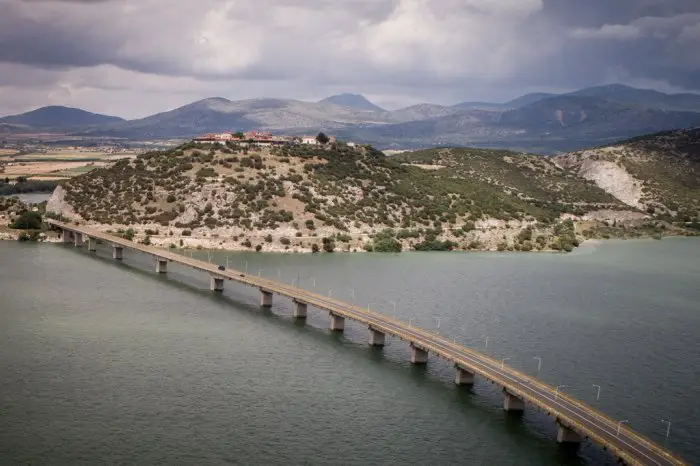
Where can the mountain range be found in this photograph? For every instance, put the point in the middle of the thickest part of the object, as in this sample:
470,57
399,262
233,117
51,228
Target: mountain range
541,122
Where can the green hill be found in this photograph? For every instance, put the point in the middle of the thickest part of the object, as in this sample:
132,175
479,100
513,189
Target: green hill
336,197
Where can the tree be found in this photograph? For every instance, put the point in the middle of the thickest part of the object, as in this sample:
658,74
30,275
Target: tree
322,138
314,248
239,135
27,221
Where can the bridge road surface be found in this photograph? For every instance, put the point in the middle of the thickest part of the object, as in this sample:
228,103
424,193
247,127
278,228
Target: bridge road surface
628,446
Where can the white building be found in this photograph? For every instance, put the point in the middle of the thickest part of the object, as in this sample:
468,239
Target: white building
311,140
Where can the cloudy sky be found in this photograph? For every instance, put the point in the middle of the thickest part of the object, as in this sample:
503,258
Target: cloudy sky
132,58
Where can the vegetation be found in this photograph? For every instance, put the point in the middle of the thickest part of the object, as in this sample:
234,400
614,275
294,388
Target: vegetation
27,220
432,200
26,186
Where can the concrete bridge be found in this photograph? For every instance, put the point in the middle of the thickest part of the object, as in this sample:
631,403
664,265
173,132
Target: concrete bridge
575,420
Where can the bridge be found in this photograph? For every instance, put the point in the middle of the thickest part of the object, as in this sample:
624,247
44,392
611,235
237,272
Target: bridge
575,420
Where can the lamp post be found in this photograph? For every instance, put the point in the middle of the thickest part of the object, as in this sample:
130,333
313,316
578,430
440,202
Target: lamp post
619,426
539,364
329,292
485,337
503,362
597,395
668,428
410,320
352,293
313,279
227,262
246,267
393,304
556,391
279,273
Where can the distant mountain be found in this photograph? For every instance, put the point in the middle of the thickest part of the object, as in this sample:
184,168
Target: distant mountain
643,97
539,122
515,103
528,99
352,101
57,117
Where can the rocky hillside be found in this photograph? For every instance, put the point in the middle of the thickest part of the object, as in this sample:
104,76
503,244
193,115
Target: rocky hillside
659,174
301,198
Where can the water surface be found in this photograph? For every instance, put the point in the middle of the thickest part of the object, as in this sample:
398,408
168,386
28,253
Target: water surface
109,363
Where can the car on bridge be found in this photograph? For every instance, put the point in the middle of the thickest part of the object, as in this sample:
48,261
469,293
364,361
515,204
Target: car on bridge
221,267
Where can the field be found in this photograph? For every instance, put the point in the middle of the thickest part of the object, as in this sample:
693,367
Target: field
57,164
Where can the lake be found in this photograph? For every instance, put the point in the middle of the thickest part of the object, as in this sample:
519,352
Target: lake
105,362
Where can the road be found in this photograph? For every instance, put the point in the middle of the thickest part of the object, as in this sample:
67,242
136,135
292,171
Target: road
622,441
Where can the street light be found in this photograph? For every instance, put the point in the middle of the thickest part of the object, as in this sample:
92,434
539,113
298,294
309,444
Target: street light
352,293
246,267
539,364
503,362
259,272
393,304
556,391
278,273
227,262
487,340
314,281
597,395
329,292
410,320
668,429
619,426
437,320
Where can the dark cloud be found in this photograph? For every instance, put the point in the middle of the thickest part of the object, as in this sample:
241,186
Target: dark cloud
141,53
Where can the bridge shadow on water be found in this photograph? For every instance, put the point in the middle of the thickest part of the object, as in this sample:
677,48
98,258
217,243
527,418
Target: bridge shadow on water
481,403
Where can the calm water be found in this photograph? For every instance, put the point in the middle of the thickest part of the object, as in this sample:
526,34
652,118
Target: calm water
106,363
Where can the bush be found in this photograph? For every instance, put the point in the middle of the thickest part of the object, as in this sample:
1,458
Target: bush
268,239
314,248
27,221
186,233
170,198
285,241
247,243
258,248
328,244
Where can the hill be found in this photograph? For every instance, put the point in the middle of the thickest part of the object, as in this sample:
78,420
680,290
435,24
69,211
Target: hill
340,197
643,97
659,174
352,101
58,117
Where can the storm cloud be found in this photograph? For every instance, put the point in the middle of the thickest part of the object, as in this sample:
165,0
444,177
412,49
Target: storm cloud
135,57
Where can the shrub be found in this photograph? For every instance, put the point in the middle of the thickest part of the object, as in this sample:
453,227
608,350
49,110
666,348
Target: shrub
170,198
258,248
285,241
186,233
314,248
27,221
268,239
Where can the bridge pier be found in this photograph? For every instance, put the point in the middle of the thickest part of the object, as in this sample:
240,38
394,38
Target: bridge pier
66,236
299,310
216,284
464,377
161,265
92,244
77,239
418,355
376,338
337,323
513,403
117,252
567,435
265,298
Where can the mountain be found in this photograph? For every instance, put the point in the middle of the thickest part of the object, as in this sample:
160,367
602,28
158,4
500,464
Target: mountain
540,122
356,101
643,97
58,117
527,99
658,173
219,114
555,124
515,103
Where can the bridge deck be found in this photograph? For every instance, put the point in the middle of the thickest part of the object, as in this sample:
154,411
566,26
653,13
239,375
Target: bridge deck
629,446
